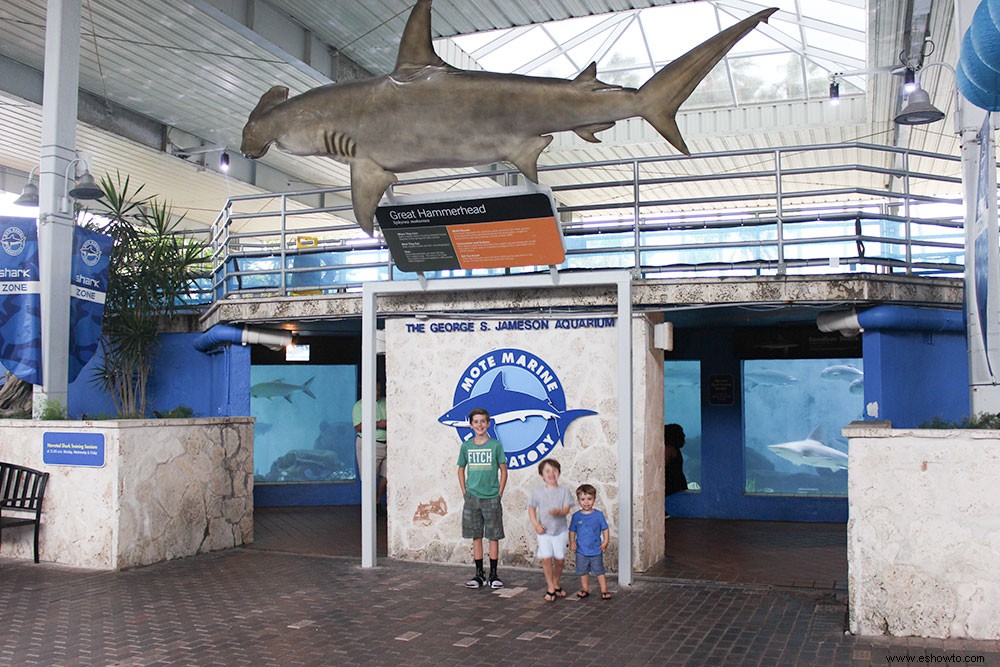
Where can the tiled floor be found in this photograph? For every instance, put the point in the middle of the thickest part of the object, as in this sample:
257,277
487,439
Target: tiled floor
268,605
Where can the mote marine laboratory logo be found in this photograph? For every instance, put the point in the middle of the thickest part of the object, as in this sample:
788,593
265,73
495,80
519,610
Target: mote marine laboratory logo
525,400
90,252
13,241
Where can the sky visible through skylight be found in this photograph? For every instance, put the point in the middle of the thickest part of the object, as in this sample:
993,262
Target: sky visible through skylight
791,58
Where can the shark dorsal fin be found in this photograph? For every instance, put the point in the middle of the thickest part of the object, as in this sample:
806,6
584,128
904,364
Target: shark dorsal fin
415,47
587,79
497,384
272,98
816,434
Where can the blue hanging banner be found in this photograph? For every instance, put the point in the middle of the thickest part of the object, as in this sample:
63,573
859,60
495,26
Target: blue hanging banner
20,299
88,290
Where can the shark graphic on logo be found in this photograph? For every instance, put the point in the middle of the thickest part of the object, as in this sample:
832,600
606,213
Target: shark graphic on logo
525,400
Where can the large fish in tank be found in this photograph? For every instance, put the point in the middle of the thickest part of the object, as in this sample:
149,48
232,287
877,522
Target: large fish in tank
811,452
428,114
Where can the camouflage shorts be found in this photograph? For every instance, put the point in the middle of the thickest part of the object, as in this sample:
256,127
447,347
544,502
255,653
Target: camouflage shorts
482,517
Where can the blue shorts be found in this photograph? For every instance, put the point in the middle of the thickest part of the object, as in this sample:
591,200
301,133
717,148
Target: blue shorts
589,564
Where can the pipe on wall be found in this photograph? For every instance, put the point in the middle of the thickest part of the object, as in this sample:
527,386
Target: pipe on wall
224,333
891,318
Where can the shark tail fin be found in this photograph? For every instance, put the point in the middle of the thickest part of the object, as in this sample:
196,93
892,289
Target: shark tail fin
272,98
306,390
566,418
662,95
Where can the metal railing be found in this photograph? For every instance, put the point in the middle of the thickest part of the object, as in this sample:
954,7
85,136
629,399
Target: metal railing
810,209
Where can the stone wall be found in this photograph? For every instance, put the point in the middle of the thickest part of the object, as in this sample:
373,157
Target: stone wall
924,533
168,489
426,361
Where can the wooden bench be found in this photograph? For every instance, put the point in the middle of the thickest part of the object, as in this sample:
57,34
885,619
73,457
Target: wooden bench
21,492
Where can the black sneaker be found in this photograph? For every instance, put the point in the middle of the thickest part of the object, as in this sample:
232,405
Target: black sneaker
495,581
476,582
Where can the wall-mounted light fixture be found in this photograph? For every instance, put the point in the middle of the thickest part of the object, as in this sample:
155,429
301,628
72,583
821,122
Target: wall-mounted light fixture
29,193
185,153
86,188
909,80
834,90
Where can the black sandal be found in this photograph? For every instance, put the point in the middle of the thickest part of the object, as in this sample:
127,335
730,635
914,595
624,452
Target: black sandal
560,593
550,596
583,594
605,595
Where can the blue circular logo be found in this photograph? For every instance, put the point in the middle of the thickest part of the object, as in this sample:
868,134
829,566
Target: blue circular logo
90,252
13,241
525,399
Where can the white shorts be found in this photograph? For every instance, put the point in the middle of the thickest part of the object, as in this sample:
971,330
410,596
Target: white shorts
552,546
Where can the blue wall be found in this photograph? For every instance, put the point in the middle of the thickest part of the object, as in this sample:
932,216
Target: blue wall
917,376
213,385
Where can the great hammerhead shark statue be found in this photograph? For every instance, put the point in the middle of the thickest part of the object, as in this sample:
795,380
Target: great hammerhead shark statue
427,114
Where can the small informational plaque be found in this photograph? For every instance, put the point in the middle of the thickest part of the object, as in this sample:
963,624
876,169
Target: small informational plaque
478,229
73,449
721,390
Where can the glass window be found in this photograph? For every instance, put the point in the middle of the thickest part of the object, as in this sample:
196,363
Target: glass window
304,431
793,411
682,405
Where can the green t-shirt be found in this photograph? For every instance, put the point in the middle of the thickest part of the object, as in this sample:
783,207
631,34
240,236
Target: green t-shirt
379,416
482,465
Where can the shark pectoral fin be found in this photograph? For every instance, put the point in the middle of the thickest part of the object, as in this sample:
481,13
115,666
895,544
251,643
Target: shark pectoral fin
526,157
587,133
662,95
368,183
415,47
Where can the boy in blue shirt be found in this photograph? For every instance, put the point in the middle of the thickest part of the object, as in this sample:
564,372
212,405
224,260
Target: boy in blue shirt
480,460
589,537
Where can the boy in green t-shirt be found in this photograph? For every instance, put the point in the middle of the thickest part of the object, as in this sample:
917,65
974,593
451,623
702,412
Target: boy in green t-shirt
479,460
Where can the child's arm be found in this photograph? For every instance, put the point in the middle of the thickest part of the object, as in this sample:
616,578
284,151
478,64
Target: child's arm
572,536
461,478
559,511
503,477
533,515
605,538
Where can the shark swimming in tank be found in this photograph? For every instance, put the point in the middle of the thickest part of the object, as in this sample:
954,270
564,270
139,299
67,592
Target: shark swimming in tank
507,405
428,114
811,452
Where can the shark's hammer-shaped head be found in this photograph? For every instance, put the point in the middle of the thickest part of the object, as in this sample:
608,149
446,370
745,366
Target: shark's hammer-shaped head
257,133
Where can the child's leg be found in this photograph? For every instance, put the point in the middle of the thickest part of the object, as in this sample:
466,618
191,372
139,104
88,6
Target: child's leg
556,583
477,548
602,580
494,549
547,569
584,585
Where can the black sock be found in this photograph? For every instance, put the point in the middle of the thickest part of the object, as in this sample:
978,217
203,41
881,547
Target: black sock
493,568
479,566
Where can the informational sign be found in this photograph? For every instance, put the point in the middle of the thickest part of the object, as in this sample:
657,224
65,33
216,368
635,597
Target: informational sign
480,229
721,390
20,299
73,449
88,290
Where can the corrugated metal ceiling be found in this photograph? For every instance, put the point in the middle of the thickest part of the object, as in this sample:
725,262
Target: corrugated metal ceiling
187,66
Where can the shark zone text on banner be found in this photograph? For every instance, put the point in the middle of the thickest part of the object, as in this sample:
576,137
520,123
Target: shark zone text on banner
525,400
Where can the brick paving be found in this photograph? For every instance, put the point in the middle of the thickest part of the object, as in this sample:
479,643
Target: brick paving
257,607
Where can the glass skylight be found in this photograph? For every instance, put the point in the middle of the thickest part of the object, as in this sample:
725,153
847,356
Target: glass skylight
790,58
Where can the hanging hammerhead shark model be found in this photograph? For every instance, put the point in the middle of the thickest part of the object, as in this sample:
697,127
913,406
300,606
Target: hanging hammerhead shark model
427,114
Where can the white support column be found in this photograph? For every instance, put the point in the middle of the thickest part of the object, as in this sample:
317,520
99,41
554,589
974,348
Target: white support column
625,485
984,381
369,324
55,229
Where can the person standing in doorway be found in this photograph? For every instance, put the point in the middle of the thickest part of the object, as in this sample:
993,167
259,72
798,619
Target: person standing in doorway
482,476
380,437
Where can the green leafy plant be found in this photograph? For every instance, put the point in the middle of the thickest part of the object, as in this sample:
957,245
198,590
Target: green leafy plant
180,412
984,420
53,410
153,266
